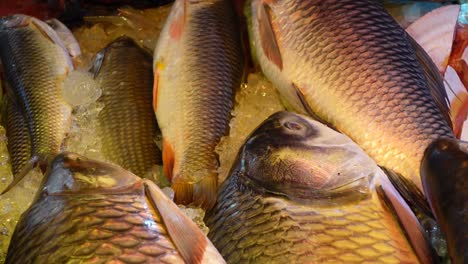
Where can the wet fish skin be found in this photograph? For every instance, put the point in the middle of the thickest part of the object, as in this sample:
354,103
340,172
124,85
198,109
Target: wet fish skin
19,141
198,65
36,64
89,211
444,178
127,124
285,202
353,66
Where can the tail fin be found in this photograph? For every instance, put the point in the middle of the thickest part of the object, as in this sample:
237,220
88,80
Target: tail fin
202,193
30,165
444,174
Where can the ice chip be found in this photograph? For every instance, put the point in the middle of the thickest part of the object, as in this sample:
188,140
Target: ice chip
255,101
80,88
197,215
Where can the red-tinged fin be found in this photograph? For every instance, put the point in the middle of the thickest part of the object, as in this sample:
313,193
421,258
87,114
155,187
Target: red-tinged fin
168,158
434,79
32,163
177,25
444,175
192,244
202,193
267,35
155,90
458,58
460,118
408,222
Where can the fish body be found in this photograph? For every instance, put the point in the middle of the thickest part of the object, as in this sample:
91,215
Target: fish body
93,212
36,63
127,124
197,67
352,66
300,192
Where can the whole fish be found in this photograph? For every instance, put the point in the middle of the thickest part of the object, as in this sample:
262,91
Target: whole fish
127,125
444,173
300,192
36,63
93,212
197,66
351,65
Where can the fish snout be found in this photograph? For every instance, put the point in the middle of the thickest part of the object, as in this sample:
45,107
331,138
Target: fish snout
14,21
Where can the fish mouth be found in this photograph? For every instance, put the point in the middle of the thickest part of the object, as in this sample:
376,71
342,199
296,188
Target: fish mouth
14,21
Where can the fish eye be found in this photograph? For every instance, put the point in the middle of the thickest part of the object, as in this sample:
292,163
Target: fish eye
291,125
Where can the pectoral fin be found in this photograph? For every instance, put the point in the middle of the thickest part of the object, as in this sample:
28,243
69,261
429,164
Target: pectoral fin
309,111
408,222
267,36
190,241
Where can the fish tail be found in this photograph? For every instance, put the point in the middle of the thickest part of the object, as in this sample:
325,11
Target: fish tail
202,193
29,166
444,172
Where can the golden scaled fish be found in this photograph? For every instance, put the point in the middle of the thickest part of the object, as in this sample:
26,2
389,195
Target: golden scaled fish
93,212
351,65
444,173
36,63
198,63
300,192
127,124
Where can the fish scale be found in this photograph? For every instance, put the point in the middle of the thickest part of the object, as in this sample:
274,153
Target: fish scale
35,68
125,77
95,232
357,70
19,142
300,192
198,65
350,234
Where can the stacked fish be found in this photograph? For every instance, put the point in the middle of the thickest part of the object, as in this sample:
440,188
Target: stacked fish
362,171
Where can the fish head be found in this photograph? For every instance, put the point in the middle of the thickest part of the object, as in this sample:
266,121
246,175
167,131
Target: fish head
14,21
71,173
295,156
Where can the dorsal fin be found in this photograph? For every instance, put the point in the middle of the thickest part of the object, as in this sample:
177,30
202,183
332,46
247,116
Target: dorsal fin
267,35
408,222
192,244
434,80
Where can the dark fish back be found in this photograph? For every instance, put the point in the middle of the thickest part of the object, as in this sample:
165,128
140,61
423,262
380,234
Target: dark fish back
127,124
